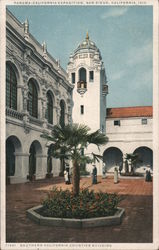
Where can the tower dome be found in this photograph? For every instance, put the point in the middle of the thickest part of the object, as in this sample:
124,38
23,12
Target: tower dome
87,46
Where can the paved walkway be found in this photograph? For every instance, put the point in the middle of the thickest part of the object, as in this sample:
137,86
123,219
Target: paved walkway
135,228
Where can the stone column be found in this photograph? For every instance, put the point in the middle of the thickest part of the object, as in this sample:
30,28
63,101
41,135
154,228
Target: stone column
40,108
25,169
56,167
25,111
41,166
124,165
58,115
55,121
21,168
69,115
43,104
25,98
20,98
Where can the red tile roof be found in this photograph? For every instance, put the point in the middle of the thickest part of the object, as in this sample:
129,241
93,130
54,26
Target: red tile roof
125,112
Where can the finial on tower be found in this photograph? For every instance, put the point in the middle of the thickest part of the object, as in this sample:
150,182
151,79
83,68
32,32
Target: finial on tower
87,36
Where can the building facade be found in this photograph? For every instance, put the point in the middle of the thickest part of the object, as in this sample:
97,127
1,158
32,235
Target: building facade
129,130
38,96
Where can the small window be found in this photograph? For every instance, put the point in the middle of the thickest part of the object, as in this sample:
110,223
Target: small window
91,76
73,78
144,121
82,109
117,123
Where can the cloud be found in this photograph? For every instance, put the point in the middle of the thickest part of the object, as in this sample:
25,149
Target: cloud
139,55
118,75
114,12
146,79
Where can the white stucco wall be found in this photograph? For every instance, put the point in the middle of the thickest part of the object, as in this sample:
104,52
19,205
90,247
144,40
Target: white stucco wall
130,134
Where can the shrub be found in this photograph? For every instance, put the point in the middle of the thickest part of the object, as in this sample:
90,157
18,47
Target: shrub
88,204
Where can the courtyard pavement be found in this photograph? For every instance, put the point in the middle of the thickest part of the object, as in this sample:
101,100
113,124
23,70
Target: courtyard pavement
136,226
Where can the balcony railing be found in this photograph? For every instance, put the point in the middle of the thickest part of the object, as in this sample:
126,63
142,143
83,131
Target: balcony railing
50,126
35,121
14,113
81,87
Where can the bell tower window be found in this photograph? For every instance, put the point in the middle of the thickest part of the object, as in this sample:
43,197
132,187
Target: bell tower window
82,75
82,84
91,76
73,77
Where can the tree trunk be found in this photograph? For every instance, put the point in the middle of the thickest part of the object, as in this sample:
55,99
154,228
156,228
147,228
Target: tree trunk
62,167
76,178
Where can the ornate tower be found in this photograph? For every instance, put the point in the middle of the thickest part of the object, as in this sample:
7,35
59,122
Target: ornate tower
87,74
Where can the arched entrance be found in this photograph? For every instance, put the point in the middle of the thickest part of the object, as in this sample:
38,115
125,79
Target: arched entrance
34,151
13,146
49,161
112,157
32,160
145,157
10,158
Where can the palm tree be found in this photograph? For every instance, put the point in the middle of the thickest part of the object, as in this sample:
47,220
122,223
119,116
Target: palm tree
68,143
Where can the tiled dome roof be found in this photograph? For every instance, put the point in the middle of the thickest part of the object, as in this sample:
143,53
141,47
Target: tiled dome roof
87,46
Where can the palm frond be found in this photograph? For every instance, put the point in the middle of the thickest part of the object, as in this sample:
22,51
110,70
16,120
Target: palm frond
97,138
97,157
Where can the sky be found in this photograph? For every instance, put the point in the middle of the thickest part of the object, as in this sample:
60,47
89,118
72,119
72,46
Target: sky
123,35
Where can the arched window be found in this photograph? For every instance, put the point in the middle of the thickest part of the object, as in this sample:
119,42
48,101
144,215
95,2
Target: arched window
11,88
62,113
32,99
82,74
49,110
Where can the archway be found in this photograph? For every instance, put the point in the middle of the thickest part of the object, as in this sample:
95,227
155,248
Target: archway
49,161
10,158
112,157
13,146
35,149
145,155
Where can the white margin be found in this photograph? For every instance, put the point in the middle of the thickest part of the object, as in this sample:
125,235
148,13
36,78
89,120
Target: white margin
96,246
